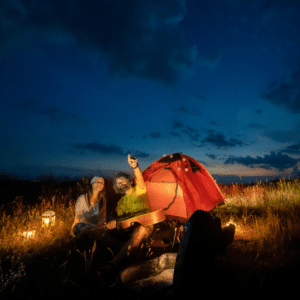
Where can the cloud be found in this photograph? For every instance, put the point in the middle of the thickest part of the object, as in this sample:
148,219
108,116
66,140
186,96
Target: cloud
101,148
175,134
211,156
218,139
53,112
186,131
192,134
139,38
177,124
293,149
210,131
139,153
155,135
191,129
296,170
211,60
183,110
256,126
31,106
284,136
105,149
278,161
56,113
285,93
213,123
201,97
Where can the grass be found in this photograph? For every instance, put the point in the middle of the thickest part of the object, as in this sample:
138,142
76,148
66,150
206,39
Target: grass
265,253
263,256
265,213
28,219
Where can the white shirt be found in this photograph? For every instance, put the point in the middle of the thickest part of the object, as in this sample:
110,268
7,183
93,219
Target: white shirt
90,214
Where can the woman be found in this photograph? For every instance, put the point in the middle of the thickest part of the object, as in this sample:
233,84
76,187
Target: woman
90,208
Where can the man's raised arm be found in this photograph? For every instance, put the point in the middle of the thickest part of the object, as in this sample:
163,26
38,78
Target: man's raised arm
132,161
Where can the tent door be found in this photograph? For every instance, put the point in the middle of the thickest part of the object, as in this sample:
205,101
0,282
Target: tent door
167,195
174,196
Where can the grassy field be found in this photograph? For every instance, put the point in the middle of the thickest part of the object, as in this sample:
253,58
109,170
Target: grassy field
45,261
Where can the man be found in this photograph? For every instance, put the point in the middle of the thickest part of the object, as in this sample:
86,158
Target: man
133,202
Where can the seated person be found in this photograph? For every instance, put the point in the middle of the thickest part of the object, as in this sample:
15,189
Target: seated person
133,202
90,208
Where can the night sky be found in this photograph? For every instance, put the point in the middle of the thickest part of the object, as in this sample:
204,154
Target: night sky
85,82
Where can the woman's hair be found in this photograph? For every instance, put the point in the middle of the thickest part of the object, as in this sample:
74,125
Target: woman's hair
122,175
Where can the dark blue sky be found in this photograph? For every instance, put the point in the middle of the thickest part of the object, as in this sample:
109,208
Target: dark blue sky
85,82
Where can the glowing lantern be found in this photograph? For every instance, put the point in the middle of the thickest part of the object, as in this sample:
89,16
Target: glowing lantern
231,223
48,217
28,234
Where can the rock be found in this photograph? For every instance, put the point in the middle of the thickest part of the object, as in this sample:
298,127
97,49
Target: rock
150,276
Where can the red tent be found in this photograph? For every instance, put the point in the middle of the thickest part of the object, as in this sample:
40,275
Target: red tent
180,185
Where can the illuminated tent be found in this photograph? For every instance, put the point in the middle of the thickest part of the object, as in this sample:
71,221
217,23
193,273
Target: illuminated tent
180,185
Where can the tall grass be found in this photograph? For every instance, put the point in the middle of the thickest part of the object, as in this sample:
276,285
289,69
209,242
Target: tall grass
279,196
16,227
267,218
264,211
19,217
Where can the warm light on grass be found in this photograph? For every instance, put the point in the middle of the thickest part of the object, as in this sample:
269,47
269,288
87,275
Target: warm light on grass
25,229
281,195
262,214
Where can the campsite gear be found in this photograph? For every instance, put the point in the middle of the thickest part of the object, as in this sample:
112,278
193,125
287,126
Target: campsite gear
151,218
180,185
227,236
202,241
151,276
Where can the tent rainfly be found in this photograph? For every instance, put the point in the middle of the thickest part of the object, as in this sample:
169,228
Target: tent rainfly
180,185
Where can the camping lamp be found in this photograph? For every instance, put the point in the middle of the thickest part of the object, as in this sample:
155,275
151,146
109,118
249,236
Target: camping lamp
231,223
48,217
28,234
228,233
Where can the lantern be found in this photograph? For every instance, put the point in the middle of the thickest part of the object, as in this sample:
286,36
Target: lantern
231,223
28,234
48,217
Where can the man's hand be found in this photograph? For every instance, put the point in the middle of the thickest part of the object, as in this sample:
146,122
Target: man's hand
132,161
111,225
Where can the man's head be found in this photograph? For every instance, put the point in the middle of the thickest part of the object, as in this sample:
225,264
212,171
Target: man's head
122,183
